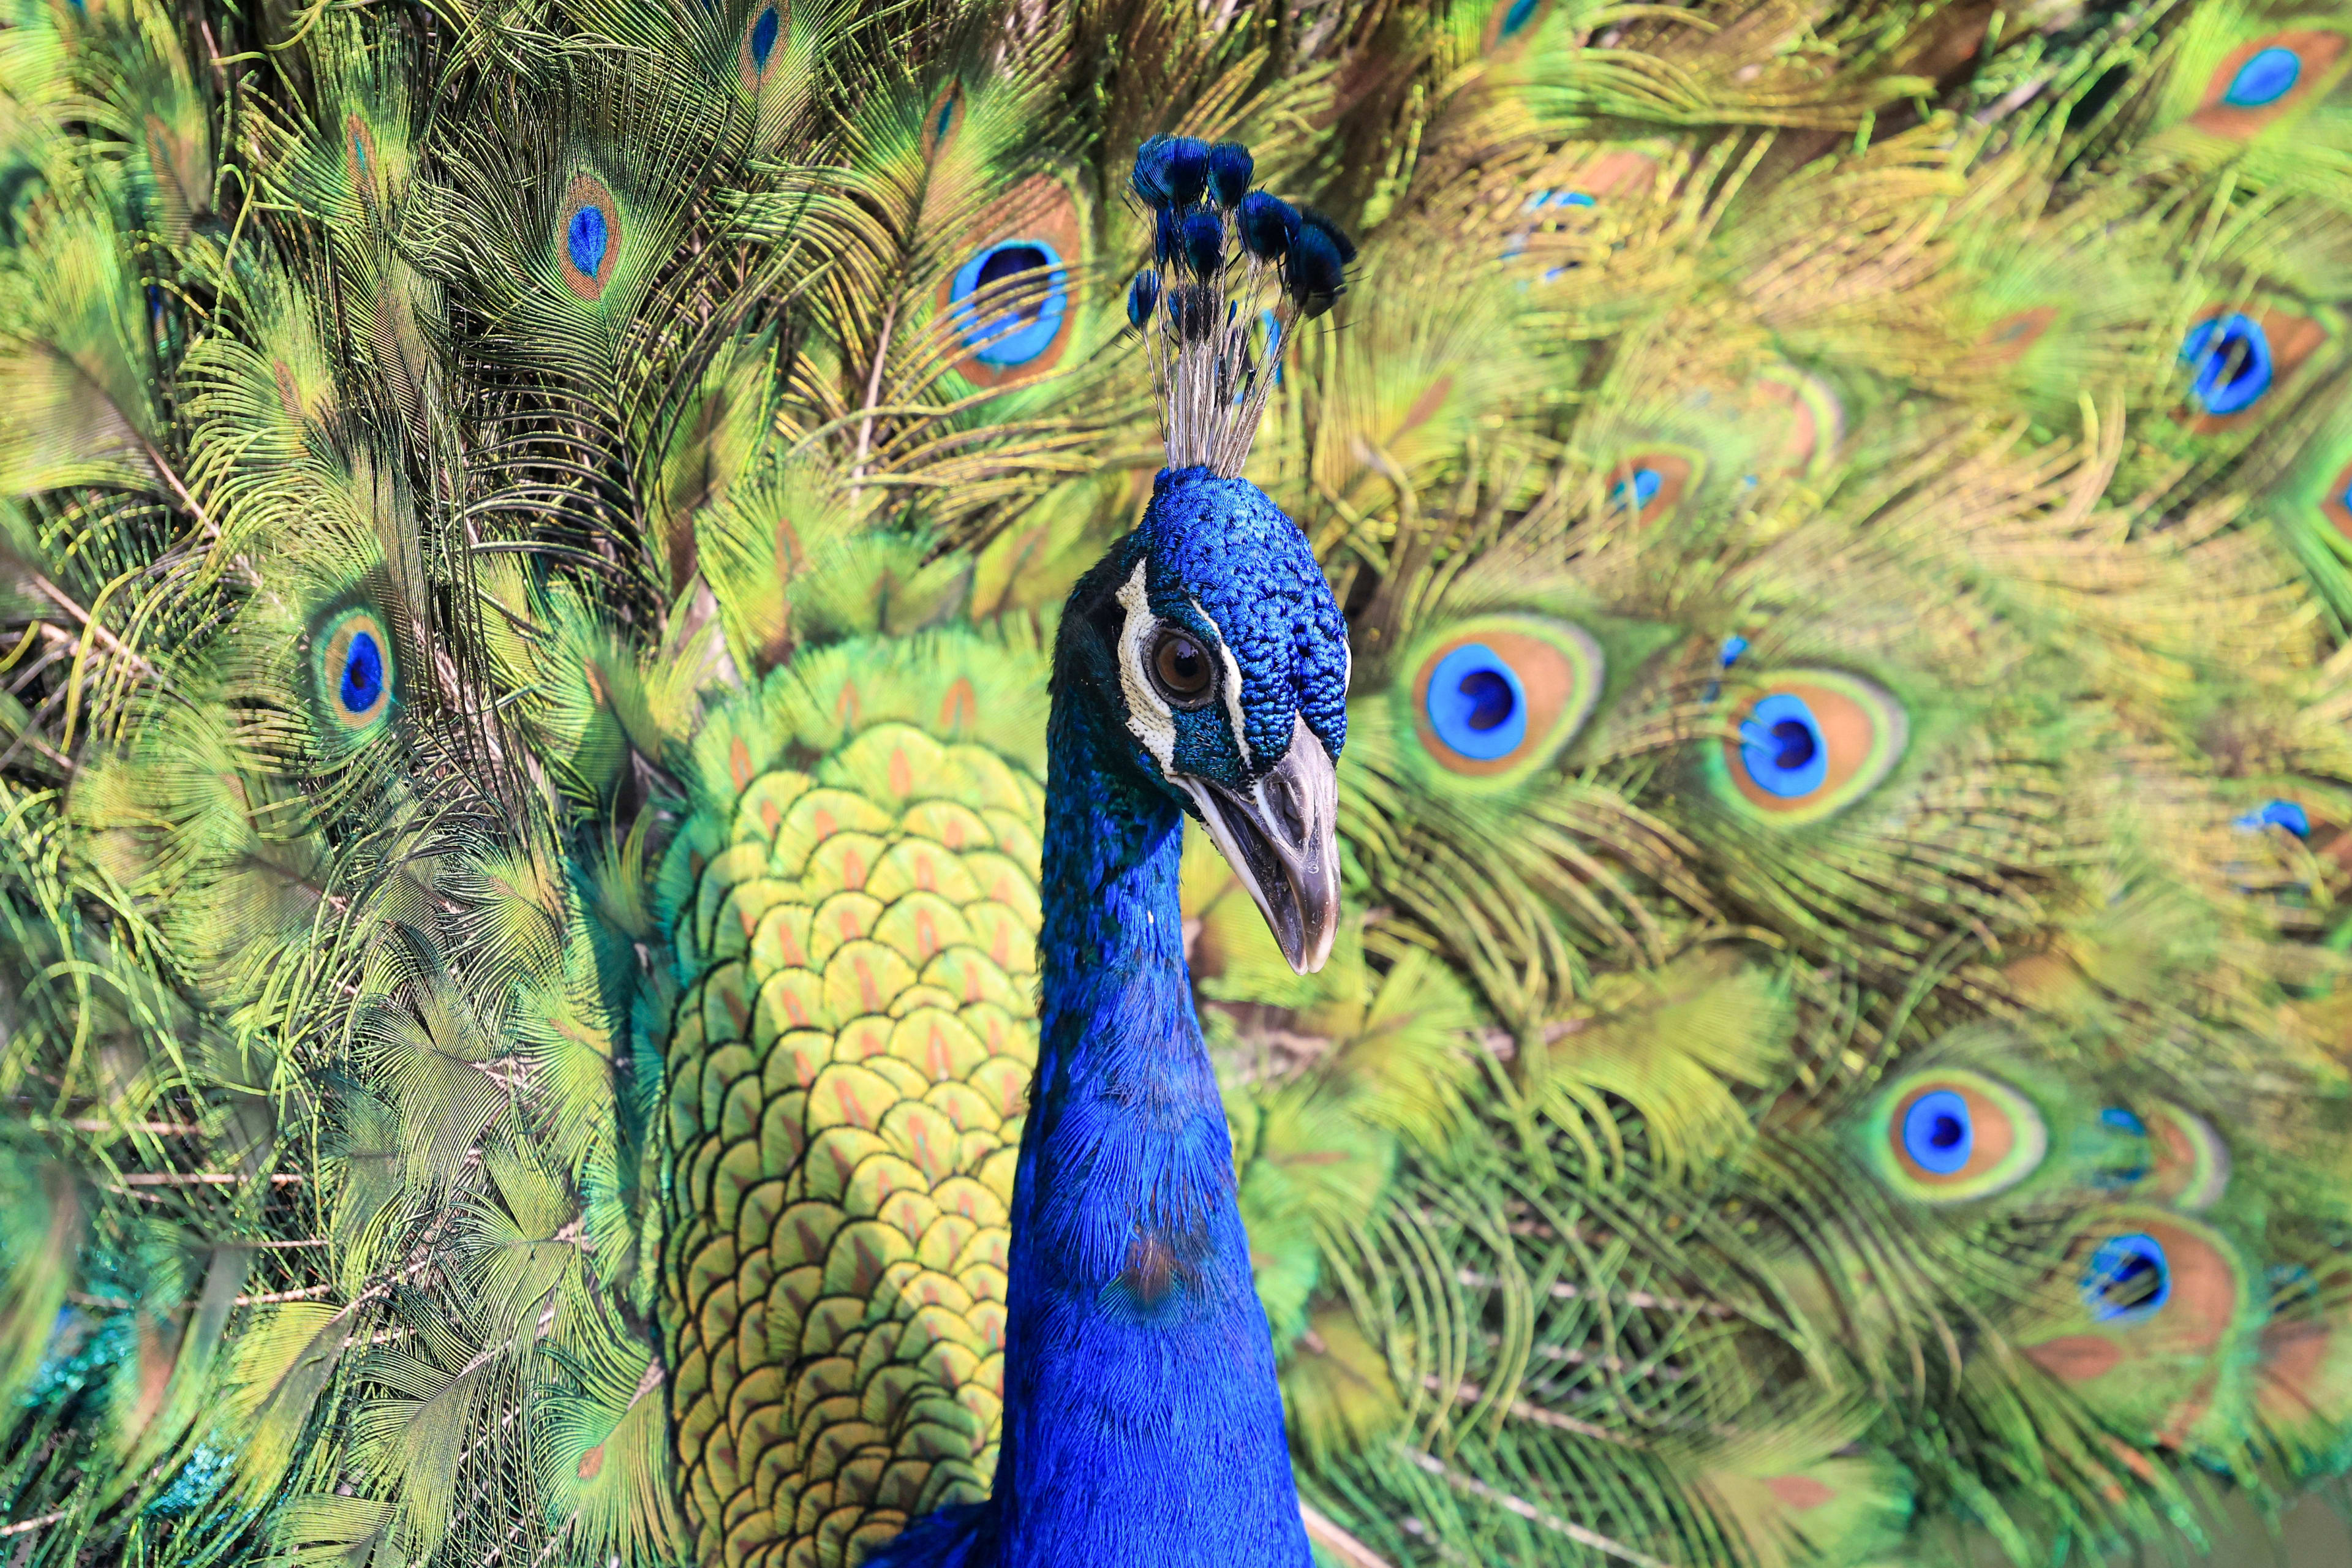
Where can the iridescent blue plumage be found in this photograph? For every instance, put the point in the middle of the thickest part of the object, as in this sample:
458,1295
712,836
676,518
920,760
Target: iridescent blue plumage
1142,1420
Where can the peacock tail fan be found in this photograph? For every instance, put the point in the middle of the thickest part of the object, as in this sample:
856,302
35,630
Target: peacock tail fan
528,542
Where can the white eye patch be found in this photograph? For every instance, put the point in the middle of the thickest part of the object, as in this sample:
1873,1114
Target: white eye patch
1149,717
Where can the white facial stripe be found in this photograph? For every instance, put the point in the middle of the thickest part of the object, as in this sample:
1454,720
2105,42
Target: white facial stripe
1233,715
1147,717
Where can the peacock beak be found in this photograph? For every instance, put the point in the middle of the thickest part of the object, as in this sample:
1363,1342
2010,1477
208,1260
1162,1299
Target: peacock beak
1282,837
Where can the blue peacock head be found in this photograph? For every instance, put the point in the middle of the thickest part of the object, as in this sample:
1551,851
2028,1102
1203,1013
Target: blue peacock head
1206,646
1209,655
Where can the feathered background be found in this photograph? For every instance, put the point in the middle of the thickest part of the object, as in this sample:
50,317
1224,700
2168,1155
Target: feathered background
528,532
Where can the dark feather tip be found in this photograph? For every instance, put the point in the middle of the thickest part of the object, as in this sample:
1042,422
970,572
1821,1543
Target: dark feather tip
1265,224
1310,218
1167,236
1142,297
1150,177
1230,167
1315,271
1205,242
1187,170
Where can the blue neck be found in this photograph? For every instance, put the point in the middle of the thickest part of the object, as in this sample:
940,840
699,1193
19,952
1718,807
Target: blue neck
1142,1422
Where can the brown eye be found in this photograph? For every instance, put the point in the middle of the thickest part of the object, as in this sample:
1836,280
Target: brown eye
1180,667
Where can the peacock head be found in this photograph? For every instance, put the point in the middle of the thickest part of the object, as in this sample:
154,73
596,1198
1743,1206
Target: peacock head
1208,653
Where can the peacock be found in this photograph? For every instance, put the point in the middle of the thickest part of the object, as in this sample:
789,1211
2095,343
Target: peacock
1380,782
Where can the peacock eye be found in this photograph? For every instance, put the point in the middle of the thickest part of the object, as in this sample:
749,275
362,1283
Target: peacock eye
355,668
2237,358
1500,695
766,29
1811,744
1646,486
2160,1311
2126,1279
1181,670
588,237
1510,19
2232,360
1023,284
1008,302
2264,79
1950,1136
941,119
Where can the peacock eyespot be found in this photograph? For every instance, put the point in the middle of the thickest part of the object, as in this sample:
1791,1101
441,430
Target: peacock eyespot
355,668
2148,1294
2237,358
1510,21
2264,78
2230,358
2126,1279
1182,669
1645,485
941,119
1500,695
1637,490
588,237
1811,743
2010,338
1948,1136
1026,294
767,29
360,162
1009,300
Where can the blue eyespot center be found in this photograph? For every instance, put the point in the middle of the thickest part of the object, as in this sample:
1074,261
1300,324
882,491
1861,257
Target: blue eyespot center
1797,744
1782,747
2232,361
587,237
1939,1133
2270,76
763,40
1476,705
2126,1279
1490,696
1005,260
362,679
1018,333
1638,488
1516,17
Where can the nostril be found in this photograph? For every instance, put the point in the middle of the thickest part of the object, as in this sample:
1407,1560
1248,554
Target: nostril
1289,810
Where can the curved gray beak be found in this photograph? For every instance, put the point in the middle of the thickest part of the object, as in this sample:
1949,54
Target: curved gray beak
1282,837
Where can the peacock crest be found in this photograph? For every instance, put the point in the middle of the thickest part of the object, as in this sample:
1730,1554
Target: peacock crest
1234,271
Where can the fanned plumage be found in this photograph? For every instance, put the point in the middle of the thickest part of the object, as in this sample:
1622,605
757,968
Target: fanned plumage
529,541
